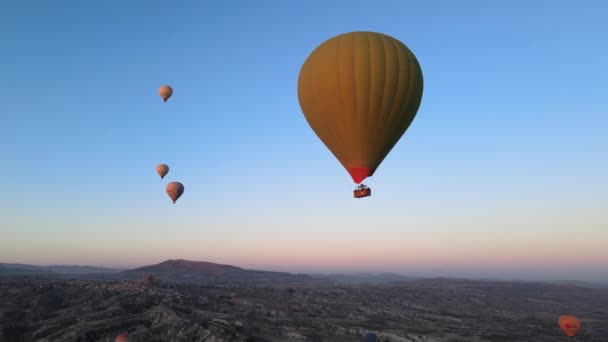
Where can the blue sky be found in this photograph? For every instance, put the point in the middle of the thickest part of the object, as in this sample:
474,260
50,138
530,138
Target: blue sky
505,162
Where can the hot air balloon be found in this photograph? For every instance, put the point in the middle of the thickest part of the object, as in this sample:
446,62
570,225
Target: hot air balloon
122,338
165,91
371,337
359,93
570,325
162,170
362,191
175,190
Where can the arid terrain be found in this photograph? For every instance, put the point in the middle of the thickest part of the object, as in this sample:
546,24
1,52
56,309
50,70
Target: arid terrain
46,309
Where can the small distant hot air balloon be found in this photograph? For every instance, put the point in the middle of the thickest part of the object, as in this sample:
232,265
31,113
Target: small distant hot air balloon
175,190
162,170
165,91
359,92
122,338
570,325
371,337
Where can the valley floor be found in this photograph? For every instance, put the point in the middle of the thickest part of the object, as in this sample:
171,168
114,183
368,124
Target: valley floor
428,310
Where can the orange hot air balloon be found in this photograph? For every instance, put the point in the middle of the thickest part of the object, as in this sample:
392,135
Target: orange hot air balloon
175,190
359,92
165,91
122,338
162,170
570,325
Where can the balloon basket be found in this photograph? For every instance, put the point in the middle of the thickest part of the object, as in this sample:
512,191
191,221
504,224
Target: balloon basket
362,191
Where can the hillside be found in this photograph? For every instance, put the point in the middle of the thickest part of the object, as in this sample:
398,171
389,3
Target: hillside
7,269
207,273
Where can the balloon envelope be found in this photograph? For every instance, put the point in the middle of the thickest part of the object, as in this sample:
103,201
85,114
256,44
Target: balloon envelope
570,325
175,190
165,92
162,170
122,338
359,92
371,337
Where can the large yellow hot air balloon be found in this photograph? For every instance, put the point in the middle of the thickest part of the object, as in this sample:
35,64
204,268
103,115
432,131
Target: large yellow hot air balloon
165,91
175,190
570,325
359,92
162,170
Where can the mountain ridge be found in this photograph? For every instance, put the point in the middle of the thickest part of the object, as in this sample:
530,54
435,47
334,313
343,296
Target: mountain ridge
204,272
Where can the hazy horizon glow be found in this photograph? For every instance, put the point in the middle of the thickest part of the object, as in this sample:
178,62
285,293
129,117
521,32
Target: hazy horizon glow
502,173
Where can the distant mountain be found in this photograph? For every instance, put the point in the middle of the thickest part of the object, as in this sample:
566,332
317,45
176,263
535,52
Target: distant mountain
24,270
8,270
180,267
63,269
364,278
23,267
579,283
207,273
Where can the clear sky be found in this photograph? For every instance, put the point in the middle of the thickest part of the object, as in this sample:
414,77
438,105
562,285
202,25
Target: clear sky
504,171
